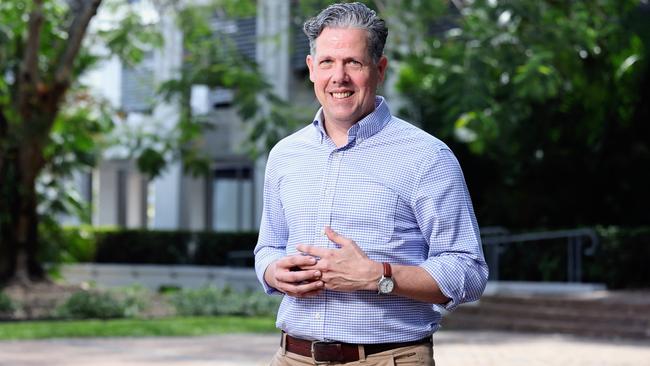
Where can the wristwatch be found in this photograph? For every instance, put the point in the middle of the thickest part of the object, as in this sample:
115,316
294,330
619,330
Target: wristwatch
386,283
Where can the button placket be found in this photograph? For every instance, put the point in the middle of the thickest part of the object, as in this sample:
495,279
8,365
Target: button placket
328,193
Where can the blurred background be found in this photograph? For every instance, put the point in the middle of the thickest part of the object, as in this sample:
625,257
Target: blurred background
133,141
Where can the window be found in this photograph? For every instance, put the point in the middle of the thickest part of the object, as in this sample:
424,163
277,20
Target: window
233,198
138,86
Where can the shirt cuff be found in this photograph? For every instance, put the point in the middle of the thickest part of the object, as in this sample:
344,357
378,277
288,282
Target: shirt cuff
449,275
261,264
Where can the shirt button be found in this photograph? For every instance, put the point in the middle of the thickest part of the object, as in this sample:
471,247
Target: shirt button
317,316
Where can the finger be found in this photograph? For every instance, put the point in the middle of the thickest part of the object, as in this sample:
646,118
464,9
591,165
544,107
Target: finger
313,251
297,260
337,238
302,289
298,276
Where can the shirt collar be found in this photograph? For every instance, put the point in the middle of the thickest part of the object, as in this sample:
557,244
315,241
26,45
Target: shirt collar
365,128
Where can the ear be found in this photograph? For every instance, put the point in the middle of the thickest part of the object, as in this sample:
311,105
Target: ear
382,65
310,66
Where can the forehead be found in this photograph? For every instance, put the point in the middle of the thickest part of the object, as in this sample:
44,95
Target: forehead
342,40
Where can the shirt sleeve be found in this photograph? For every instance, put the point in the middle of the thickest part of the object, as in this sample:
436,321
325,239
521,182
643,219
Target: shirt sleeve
273,233
445,215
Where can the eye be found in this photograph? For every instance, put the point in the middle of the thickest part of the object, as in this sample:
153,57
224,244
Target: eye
355,65
325,63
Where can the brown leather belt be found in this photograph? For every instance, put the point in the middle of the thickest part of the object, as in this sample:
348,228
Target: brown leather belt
324,352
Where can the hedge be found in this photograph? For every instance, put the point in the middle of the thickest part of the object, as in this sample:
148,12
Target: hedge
619,260
101,245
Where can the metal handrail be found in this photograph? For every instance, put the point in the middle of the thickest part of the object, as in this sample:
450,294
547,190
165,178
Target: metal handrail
497,236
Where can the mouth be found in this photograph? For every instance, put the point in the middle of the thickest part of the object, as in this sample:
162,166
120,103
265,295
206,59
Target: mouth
341,95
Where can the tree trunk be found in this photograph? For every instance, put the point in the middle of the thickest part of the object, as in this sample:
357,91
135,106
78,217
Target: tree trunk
27,264
8,212
19,222
36,104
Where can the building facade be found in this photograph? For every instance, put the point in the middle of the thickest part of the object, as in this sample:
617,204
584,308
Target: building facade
230,197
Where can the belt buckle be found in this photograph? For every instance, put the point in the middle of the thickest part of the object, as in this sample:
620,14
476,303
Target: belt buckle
313,353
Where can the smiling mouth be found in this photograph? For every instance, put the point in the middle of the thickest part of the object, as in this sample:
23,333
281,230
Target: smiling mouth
341,95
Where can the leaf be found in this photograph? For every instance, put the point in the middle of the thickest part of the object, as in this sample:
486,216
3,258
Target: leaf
627,65
151,162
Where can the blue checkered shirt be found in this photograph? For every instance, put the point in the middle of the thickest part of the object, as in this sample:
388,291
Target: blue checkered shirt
395,190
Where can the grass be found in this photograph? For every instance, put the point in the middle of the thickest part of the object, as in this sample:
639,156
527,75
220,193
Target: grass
178,326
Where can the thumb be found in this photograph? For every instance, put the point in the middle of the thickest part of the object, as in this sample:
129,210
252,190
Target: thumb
337,238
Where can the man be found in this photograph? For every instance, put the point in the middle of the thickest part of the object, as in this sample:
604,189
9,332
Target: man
367,221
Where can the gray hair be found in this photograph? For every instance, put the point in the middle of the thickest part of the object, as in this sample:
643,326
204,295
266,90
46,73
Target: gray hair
350,15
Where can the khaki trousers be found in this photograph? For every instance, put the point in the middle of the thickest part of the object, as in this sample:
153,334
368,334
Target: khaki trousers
421,354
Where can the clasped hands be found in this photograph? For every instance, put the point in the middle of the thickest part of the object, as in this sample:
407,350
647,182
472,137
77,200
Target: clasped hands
347,268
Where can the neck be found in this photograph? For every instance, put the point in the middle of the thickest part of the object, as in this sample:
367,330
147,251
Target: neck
338,132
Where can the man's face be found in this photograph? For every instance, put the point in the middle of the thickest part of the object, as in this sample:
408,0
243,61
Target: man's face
345,77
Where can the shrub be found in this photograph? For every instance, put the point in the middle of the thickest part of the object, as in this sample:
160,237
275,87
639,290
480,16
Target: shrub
7,306
621,258
213,248
90,304
66,244
124,303
156,246
211,301
134,299
142,246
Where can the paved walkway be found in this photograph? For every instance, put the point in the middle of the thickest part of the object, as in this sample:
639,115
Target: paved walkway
452,348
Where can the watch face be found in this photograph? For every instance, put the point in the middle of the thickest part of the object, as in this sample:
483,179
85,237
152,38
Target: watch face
386,285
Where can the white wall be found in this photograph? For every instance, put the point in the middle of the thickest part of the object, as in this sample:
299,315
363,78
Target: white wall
105,188
193,203
167,201
167,62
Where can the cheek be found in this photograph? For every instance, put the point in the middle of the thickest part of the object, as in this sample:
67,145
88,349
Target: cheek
321,83
364,82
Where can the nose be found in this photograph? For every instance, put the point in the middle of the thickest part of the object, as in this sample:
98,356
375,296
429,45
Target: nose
339,74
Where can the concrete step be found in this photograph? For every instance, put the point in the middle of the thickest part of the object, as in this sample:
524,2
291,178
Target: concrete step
633,301
565,311
602,314
482,322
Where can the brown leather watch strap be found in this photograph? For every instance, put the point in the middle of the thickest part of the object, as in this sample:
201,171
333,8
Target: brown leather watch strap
388,272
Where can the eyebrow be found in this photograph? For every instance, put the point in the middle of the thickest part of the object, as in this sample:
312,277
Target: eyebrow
347,59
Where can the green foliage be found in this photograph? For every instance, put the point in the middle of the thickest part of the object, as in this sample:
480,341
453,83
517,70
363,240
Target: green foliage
65,245
213,248
92,304
170,247
211,59
113,245
618,261
141,246
65,129
50,125
7,306
131,36
194,326
544,102
621,259
135,299
88,305
533,261
211,301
